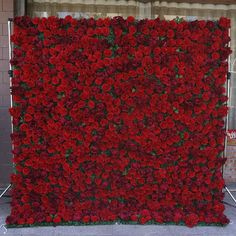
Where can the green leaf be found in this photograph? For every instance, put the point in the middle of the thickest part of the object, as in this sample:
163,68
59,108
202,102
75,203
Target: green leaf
108,152
179,19
41,36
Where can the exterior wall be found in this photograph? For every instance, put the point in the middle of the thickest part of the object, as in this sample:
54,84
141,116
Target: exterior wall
6,11
230,165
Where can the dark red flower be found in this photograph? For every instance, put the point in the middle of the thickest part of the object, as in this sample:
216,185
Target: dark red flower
57,219
191,220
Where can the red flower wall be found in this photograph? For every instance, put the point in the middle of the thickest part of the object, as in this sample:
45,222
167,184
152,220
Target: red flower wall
118,120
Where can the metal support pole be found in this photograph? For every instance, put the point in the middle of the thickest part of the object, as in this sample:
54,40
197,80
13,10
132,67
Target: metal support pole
230,194
10,66
6,189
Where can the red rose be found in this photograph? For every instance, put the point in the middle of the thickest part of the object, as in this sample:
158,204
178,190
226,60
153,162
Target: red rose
57,219
130,19
134,218
224,22
132,29
170,33
191,220
86,219
145,219
94,218
91,104
106,87
107,53
28,117
30,221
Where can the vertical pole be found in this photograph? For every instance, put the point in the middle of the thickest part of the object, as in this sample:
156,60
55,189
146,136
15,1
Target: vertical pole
228,88
10,66
227,104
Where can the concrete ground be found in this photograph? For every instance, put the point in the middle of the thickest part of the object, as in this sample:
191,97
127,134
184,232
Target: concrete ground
123,230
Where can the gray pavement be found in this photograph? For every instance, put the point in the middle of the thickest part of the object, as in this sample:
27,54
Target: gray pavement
123,230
